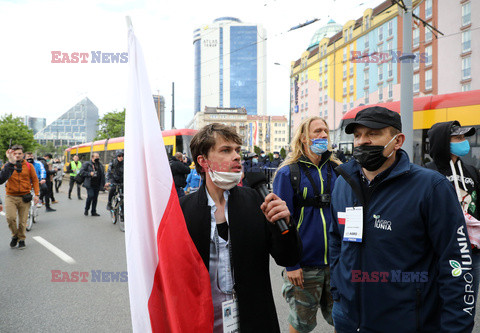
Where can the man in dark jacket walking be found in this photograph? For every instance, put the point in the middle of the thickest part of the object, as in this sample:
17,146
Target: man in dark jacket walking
399,250
448,144
179,173
94,180
232,227
114,176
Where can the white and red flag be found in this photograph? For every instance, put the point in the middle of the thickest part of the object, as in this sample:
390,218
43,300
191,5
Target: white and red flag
168,283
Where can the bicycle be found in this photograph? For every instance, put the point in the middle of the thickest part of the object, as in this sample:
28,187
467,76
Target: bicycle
32,215
117,211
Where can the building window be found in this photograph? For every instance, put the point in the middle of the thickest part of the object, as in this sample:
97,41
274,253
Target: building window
325,98
345,35
416,62
351,86
390,90
466,67
326,82
301,108
345,54
389,46
351,69
416,37
416,11
428,55
428,79
306,76
466,13
321,67
344,71
428,9
380,94
306,92
416,83
326,65
366,79
428,35
344,105
306,106
344,87
380,73
367,41
390,28
367,97
325,113
367,22
390,69
320,100
350,33
380,34
466,41
466,87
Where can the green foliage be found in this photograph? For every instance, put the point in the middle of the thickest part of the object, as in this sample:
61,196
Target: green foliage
111,125
50,148
283,153
257,150
270,156
12,128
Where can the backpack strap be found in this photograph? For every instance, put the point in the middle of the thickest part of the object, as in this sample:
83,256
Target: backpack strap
295,177
319,200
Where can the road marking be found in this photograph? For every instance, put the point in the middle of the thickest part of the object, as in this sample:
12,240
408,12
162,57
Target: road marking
55,250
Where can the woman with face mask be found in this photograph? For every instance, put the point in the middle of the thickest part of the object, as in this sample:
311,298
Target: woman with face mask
305,181
94,180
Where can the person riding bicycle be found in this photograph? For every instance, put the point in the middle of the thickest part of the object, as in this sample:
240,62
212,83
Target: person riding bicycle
114,176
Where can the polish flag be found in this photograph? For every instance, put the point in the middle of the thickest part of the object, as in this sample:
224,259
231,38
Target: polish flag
169,286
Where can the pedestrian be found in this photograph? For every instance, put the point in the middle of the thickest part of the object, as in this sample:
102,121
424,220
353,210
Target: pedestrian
94,179
232,227
58,179
399,253
40,170
45,188
114,176
51,173
179,173
193,180
18,196
305,182
448,144
277,160
73,169
263,160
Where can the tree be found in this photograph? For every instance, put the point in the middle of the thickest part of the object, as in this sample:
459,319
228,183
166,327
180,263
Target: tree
257,150
50,148
283,153
14,131
111,125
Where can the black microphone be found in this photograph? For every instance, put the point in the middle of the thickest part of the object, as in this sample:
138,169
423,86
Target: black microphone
258,181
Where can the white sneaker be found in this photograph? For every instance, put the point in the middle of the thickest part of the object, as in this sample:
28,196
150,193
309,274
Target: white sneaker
39,205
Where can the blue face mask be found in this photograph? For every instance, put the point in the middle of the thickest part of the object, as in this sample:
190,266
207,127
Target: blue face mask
460,148
254,160
319,146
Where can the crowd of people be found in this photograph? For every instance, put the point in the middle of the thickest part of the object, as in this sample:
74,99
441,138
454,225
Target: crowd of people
378,244
43,176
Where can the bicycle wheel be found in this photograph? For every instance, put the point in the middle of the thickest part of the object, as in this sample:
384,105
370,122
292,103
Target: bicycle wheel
113,215
30,218
121,219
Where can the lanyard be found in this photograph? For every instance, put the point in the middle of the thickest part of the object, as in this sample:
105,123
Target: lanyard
217,247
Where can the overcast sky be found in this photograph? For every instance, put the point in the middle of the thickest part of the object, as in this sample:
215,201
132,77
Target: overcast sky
30,84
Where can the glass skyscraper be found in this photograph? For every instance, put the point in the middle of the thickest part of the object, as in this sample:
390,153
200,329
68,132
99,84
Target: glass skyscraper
230,71
77,125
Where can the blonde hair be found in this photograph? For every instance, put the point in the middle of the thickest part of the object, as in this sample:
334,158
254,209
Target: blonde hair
298,149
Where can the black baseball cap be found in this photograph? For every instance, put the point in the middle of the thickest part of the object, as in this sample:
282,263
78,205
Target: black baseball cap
458,130
375,117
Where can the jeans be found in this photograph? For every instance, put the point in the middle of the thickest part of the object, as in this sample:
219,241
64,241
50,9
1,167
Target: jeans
92,197
341,321
58,183
70,187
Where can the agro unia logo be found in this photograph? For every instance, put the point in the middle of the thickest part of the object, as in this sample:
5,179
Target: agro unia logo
457,268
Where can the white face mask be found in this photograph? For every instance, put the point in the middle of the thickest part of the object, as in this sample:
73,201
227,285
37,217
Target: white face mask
225,180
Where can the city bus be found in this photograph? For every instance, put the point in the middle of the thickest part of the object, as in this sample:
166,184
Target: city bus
175,140
428,110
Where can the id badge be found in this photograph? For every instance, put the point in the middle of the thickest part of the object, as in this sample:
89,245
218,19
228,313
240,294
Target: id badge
230,316
353,224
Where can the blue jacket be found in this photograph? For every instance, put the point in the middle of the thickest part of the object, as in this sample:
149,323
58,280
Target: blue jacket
313,223
412,270
40,170
193,179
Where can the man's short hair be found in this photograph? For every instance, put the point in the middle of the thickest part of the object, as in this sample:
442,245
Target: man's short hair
178,155
48,155
206,138
17,147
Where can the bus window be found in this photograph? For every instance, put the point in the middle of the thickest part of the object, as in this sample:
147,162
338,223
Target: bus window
102,156
183,144
111,154
83,157
169,150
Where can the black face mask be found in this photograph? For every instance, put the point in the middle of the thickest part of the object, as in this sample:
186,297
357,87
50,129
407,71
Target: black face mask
96,160
30,160
371,157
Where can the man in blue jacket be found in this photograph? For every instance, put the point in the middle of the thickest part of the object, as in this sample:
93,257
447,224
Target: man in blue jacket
400,255
305,182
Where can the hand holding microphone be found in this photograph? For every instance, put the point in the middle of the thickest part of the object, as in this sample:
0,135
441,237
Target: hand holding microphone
274,208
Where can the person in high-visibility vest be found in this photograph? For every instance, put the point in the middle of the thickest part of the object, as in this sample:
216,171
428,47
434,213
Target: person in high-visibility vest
74,168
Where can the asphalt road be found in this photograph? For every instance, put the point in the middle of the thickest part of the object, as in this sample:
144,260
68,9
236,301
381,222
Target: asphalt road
31,300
